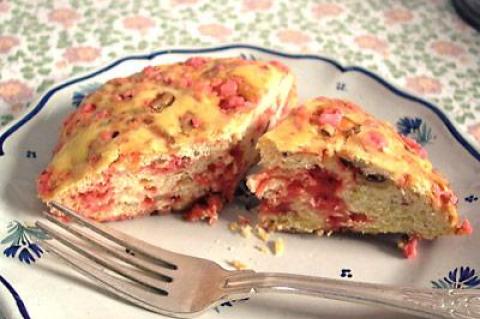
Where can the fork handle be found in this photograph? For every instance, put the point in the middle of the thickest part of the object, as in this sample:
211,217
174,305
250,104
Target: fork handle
425,303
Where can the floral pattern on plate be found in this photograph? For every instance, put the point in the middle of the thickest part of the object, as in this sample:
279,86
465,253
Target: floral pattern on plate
22,242
458,278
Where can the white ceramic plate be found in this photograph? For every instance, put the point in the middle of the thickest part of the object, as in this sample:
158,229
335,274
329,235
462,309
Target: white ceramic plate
48,289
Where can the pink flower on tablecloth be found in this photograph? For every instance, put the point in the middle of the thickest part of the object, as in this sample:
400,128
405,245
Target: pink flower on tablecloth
215,30
64,16
183,2
327,10
81,54
61,64
4,7
293,37
257,5
7,42
371,42
138,23
398,16
424,85
447,48
474,130
14,91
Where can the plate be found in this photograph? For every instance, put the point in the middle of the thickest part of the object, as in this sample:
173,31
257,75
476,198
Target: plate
34,284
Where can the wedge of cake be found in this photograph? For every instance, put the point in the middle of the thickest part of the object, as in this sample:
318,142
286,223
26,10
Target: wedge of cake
330,166
169,138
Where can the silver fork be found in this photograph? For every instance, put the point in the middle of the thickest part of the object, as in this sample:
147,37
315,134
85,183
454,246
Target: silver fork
181,286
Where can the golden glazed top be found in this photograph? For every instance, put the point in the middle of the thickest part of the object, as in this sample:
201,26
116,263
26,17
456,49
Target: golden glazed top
163,109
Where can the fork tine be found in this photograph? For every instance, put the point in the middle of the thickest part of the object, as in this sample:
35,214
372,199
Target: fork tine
160,286
120,288
142,247
159,271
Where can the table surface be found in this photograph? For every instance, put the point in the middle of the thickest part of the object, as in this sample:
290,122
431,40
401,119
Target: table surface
422,46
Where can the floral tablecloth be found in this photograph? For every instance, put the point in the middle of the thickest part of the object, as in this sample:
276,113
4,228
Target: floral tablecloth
422,46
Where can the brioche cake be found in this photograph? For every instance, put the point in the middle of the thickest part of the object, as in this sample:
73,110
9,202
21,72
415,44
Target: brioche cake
169,138
330,166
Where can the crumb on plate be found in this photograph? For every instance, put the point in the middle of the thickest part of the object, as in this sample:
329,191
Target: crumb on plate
261,233
278,247
409,247
246,230
233,227
238,265
262,248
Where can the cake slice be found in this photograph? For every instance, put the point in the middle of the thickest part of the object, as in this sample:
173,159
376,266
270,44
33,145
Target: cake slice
169,138
330,166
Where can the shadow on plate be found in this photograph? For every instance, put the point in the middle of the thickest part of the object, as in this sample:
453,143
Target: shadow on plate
71,277
301,307
265,306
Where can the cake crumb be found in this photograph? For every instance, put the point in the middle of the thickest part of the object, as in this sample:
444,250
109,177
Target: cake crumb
242,225
465,228
246,230
261,233
278,247
329,233
319,232
262,248
409,247
233,227
238,265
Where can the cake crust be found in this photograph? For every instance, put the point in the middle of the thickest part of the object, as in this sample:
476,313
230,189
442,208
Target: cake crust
331,166
160,139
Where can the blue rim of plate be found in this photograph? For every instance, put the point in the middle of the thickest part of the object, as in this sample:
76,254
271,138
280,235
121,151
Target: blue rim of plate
39,106
18,300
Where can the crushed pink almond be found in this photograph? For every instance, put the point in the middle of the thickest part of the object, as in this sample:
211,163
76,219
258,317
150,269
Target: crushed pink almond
331,116
94,158
196,62
228,88
232,102
149,71
127,95
44,182
446,196
465,228
102,114
414,146
409,248
449,197
280,66
185,82
196,122
148,202
208,211
105,135
88,108
375,139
